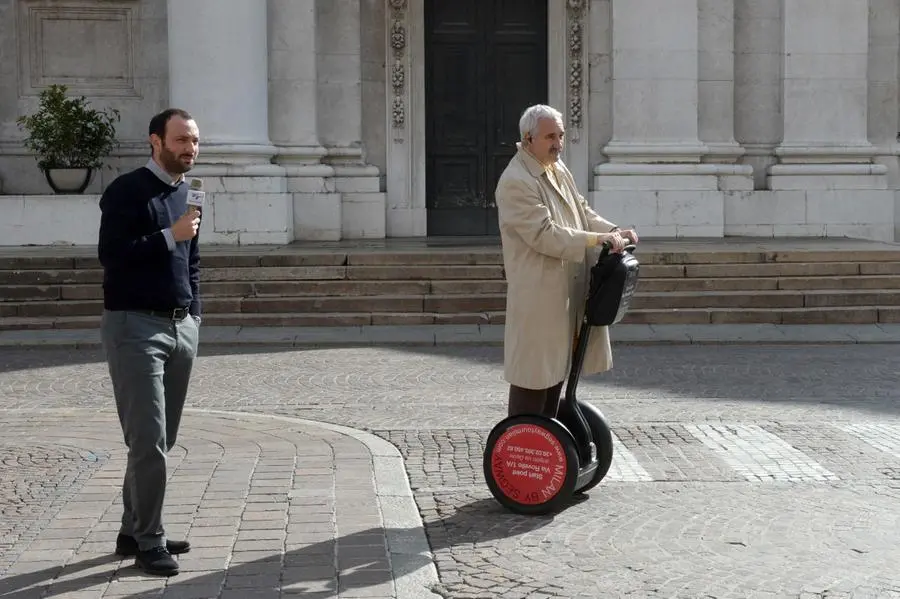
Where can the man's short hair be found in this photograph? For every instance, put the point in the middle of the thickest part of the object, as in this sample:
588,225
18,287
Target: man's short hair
159,121
528,123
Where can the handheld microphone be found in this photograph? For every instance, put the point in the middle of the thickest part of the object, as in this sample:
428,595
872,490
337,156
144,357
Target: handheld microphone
196,195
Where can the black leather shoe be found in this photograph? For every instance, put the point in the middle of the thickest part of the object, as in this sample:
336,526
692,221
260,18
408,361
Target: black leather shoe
157,561
127,546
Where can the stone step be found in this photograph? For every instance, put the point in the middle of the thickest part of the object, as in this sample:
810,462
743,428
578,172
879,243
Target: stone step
56,276
477,303
832,315
273,273
764,299
51,277
791,269
431,254
717,256
444,304
829,315
334,286
647,284
354,273
255,257
651,294
350,280
10,293
336,319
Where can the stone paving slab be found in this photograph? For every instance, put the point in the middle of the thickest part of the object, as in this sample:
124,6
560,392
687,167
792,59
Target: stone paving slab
481,335
273,506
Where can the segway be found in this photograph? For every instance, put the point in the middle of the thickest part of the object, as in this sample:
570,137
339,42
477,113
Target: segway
533,464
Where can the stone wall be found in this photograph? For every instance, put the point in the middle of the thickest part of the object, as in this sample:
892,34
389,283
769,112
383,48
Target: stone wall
696,117
126,42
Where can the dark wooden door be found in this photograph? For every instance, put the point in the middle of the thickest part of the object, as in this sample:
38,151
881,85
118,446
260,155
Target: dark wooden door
485,62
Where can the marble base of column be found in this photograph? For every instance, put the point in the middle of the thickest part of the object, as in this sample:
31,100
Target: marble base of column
668,200
723,152
363,204
245,204
654,153
824,167
759,156
303,161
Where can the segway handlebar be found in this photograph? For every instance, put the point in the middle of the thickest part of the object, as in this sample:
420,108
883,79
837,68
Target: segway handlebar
606,247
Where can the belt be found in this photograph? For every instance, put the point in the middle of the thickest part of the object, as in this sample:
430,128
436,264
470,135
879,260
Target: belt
174,314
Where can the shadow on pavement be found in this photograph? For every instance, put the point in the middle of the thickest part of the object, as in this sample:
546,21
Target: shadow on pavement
30,358
307,572
859,376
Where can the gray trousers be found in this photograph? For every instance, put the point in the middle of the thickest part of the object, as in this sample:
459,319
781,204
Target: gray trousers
150,361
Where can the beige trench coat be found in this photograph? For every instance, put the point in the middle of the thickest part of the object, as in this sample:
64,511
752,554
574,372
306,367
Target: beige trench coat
547,263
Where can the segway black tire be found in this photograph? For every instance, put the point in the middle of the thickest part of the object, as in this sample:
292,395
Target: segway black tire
603,440
531,464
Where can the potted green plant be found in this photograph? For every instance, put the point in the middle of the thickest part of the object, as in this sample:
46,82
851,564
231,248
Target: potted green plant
69,138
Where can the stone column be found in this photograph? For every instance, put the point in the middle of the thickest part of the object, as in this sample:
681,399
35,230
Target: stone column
293,103
825,102
884,103
655,79
757,74
293,109
825,152
654,178
218,71
716,81
339,76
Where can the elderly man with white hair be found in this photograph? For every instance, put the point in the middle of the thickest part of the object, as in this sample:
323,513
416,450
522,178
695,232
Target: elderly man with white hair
546,229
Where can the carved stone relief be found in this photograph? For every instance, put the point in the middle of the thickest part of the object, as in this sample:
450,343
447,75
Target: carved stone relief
398,55
575,33
88,46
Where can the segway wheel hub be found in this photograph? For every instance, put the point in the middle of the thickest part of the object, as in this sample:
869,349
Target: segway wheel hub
529,464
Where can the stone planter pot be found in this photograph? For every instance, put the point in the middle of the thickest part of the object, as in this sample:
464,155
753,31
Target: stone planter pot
69,180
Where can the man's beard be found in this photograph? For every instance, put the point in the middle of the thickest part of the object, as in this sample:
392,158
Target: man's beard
171,162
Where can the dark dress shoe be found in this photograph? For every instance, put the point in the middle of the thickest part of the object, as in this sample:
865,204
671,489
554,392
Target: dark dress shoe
157,561
127,546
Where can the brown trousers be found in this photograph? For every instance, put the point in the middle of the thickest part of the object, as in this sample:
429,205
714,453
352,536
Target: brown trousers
534,401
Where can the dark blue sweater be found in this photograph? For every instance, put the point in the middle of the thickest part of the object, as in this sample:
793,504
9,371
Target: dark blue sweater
140,271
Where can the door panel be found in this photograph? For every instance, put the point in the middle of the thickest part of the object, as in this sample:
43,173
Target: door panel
486,61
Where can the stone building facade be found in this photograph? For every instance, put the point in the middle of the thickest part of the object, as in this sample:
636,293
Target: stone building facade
341,119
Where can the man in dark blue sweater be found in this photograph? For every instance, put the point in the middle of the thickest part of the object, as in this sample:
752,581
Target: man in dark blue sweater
150,325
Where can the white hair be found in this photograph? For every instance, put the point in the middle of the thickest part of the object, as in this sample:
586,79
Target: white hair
528,123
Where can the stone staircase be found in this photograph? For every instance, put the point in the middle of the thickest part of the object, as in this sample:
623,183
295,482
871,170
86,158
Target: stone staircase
716,281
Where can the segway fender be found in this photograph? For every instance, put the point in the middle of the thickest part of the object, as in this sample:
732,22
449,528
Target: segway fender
603,441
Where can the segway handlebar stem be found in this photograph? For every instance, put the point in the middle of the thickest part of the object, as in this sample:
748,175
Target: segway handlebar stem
580,348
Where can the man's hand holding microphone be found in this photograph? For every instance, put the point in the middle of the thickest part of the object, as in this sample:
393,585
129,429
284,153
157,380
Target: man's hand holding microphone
186,227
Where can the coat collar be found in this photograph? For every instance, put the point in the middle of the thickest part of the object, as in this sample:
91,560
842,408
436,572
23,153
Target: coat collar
537,170
531,163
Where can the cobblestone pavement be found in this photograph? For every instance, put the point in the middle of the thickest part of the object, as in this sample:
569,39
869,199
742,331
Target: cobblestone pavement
740,471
